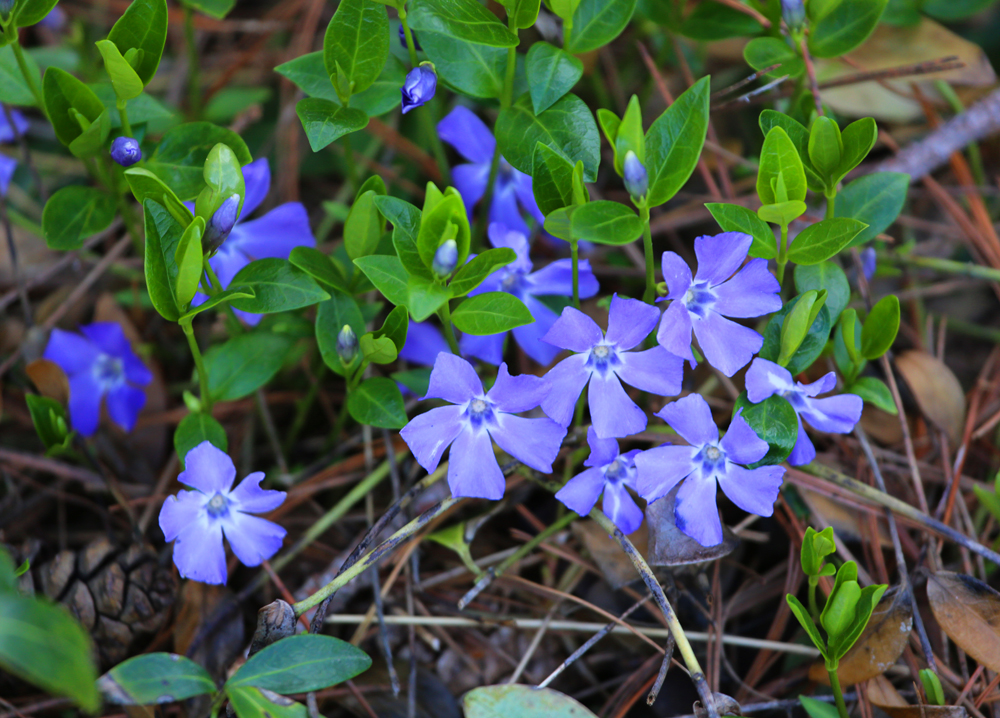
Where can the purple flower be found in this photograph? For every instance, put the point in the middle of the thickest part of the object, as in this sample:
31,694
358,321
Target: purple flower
702,304
610,473
512,192
834,414
518,279
275,234
423,343
126,151
221,225
603,359
793,12
706,461
869,262
418,87
100,363
347,345
476,419
402,39
196,520
55,20
9,133
636,177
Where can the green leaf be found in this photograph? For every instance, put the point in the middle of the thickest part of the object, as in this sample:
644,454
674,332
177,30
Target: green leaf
629,137
874,391
144,109
805,620
797,323
405,219
810,348
213,8
416,380
233,292
552,179
736,218
303,663
179,159
379,403
245,363
388,275
63,92
424,297
155,677
50,420
551,74
605,222
782,213
858,140
818,242
250,702
462,20
309,73
278,287
13,87
875,199
799,136
364,225
951,10
143,26
378,350
472,273
567,128
523,13
715,21
325,121
189,261
223,178
880,327
491,313
818,709
31,12
163,232
41,643
843,26
319,266
356,42
334,314
147,186
508,700
472,69
195,428
75,213
826,148
778,156
91,141
598,22
845,349
441,221
828,276
395,327
763,52
774,421
123,78
674,143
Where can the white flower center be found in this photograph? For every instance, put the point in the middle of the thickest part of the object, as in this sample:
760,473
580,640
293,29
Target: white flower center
109,372
217,506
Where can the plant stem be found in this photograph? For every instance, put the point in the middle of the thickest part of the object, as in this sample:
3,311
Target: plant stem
29,76
193,80
449,330
831,203
123,113
838,694
199,363
782,254
574,248
647,245
813,606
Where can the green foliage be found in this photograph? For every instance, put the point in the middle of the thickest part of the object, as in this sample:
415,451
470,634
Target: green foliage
325,121
464,20
140,35
809,349
763,52
773,420
155,678
596,23
504,701
245,363
278,286
355,48
491,313
74,214
841,25
880,328
674,142
551,74
605,222
377,402
302,663
876,200
195,428
51,422
78,116
828,277
179,159
823,240
309,73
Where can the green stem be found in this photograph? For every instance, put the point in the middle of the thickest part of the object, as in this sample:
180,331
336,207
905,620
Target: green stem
199,363
29,76
411,46
782,254
647,244
838,694
449,330
946,266
193,79
567,30
574,250
123,113
813,606
831,203
338,428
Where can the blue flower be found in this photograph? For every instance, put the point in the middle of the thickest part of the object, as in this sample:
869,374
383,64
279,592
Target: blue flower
9,133
126,151
424,342
275,234
705,463
418,87
611,473
834,414
512,191
702,303
603,359
197,520
869,262
518,279
100,364
475,420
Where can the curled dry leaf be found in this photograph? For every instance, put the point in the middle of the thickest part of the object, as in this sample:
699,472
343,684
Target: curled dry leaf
884,695
936,390
607,554
669,546
879,647
49,378
969,612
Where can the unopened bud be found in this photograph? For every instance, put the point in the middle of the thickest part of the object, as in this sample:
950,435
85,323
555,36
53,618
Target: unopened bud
347,345
636,177
126,151
869,262
794,13
419,87
221,224
445,258
5,7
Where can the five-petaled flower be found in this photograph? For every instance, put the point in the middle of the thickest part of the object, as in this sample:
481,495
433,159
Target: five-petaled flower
469,135
476,419
518,279
603,359
610,472
835,414
196,520
703,302
9,133
704,463
275,234
100,363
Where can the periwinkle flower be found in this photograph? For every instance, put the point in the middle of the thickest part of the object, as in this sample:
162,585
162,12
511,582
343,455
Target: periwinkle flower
100,364
221,225
702,303
126,151
424,342
834,414
556,279
703,464
347,344
418,87
475,420
604,360
512,191
869,262
197,520
793,12
445,258
9,133
274,234
5,7
402,39
636,177
55,20
611,473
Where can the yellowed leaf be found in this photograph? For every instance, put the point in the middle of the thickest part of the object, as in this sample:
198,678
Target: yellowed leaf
936,390
49,378
969,612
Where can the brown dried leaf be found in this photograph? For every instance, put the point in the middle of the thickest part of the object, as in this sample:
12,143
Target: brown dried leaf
847,521
607,554
49,378
199,605
969,612
936,390
669,546
879,647
884,695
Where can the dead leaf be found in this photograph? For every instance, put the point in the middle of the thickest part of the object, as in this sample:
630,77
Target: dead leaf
198,605
49,378
936,390
969,612
881,425
669,546
607,554
847,522
879,647
884,695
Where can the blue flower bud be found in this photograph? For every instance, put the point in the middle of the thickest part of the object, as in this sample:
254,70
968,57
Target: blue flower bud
347,345
419,87
868,262
402,39
5,7
126,151
794,13
636,177
221,224
445,258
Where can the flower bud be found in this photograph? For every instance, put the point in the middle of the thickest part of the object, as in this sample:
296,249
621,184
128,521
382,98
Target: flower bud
419,87
868,262
794,13
5,7
402,39
221,224
347,345
636,177
445,259
126,151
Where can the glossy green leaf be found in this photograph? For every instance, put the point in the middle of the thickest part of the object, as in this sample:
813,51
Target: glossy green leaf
843,26
605,222
195,428
799,136
395,327
334,314
213,8
189,261
782,213
378,350
763,52
826,149
303,663
180,157
823,240
63,92
325,121
818,709
425,297
845,345
92,141
364,226
250,702
144,109
472,69
163,232
552,179
858,140
828,276
551,74
774,421
736,218
75,213
13,87
143,26
472,273
490,313
319,266
567,127
388,275
596,23
876,200
465,20
797,322
309,73
509,700
378,403
810,348
123,78
227,295
880,328
629,137
145,185
874,391
778,155
674,142
245,363
223,178
30,12
49,418
416,380
405,220
278,287
805,620
356,42
951,10
715,21
156,677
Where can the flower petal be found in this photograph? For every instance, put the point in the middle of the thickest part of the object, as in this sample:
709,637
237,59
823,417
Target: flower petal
612,412
108,337
534,442
753,292
468,134
692,419
473,470
619,506
741,443
526,195
84,402
602,451
720,256
661,468
753,490
582,491
696,512
513,394
208,469
253,539
630,321
198,552
180,511
674,332
574,330
275,234
676,273
429,434
835,414
825,383
424,342
124,404
504,208
453,379
501,236
568,378
557,278
250,498
470,181
72,352
529,337
654,370
803,452
765,378
257,179
727,346
7,167
488,348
